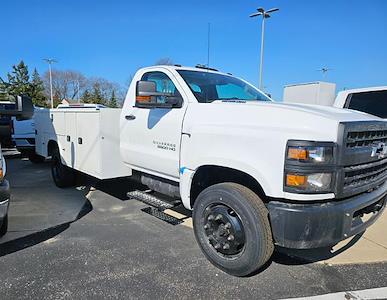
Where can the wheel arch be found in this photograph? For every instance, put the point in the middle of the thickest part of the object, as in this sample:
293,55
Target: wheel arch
51,146
208,175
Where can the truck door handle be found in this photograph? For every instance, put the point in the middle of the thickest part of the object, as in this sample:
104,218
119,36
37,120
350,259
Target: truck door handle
130,117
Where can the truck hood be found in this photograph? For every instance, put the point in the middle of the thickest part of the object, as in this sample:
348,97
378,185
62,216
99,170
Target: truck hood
327,112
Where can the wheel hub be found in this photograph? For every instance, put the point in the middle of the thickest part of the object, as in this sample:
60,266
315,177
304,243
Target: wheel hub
224,229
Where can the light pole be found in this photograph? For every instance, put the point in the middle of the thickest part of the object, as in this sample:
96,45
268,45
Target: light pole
50,61
77,84
265,14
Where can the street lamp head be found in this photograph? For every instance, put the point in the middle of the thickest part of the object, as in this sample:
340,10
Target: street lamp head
50,60
265,14
255,15
272,10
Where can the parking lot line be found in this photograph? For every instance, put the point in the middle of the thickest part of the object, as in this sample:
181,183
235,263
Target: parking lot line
374,294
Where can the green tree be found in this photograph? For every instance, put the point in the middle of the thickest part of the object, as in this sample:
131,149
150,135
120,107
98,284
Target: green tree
97,96
37,92
18,81
113,100
86,97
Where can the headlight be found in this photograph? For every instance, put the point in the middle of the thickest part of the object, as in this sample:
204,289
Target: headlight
310,183
309,167
310,154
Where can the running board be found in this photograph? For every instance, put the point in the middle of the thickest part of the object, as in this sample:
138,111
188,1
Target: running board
162,215
153,200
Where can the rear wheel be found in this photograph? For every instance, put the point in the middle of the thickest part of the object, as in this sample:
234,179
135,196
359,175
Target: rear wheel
63,176
4,226
232,227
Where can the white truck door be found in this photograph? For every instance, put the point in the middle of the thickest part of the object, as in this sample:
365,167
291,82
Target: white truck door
150,138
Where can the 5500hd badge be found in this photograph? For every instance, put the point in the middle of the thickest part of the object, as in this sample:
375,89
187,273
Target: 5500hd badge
165,145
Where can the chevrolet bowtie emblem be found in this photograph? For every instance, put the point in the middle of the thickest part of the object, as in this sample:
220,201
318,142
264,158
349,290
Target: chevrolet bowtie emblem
379,150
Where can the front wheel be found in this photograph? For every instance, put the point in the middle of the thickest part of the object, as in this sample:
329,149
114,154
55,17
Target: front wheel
232,228
63,176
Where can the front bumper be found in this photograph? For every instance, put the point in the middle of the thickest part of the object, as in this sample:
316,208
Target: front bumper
4,199
305,226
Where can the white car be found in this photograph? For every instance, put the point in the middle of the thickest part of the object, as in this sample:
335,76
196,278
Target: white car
4,196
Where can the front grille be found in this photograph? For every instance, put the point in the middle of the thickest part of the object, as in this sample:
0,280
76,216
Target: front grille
365,138
360,168
365,175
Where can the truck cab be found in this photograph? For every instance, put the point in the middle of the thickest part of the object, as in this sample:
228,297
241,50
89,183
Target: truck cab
254,172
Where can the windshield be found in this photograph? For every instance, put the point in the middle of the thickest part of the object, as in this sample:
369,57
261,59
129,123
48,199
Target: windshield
374,103
208,87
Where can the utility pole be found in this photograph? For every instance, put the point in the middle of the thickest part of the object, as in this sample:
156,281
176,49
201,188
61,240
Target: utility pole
265,14
50,61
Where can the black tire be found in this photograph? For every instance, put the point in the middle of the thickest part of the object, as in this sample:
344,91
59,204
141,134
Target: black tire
249,251
4,226
35,158
62,175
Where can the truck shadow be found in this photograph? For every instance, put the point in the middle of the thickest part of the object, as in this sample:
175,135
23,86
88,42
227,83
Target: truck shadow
20,243
38,210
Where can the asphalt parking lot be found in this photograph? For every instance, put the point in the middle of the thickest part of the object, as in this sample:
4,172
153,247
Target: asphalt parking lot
92,242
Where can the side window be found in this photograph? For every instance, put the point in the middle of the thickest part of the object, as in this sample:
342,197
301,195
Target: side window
195,88
373,102
163,85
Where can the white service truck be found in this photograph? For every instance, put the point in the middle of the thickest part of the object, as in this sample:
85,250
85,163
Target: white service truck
256,173
372,100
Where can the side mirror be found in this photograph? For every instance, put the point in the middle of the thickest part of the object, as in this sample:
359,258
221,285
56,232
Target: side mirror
146,88
146,96
24,109
175,101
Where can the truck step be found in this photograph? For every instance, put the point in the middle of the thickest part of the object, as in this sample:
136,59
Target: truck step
153,200
162,215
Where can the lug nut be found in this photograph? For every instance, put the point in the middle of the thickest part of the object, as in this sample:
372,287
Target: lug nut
228,225
217,246
219,217
230,238
206,226
210,217
226,246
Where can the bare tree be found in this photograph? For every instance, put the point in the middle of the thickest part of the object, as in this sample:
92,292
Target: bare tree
106,87
66,84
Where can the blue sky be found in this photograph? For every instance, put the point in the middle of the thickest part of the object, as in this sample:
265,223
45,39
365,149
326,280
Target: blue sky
112,39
